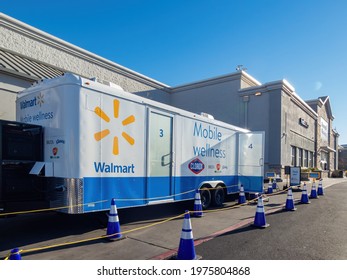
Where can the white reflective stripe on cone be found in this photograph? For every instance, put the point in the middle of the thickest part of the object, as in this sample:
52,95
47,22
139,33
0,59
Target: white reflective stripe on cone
113,219
187,224
187,234
197,196
113,210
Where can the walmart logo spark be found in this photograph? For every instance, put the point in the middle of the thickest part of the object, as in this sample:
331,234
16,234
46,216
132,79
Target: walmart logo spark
40,99
102,134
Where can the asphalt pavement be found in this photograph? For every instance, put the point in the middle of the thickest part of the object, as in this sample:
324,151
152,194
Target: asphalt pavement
315,231
154,237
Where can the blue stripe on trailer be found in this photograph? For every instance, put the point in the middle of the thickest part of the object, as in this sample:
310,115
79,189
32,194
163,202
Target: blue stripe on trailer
132,191
106,188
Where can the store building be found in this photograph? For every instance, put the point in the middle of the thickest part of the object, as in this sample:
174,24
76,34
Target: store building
298,133
342,157
327,143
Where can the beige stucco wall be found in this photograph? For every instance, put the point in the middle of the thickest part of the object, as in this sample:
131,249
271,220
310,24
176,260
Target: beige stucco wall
323,115
9,86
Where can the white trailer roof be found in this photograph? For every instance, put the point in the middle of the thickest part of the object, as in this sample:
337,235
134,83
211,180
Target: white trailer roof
73,79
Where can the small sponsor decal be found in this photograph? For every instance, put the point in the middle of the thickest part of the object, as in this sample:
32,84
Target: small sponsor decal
218,168
196,166
54,154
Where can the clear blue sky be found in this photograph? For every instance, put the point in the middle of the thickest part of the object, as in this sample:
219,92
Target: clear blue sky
182,41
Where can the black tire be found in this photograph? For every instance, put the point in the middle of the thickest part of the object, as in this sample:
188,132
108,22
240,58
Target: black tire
218,196
206,199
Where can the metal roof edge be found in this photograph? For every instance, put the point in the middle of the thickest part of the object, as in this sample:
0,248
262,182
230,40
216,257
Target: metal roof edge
283,85
214,80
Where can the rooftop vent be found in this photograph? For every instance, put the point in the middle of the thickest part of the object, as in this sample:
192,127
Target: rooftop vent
207,115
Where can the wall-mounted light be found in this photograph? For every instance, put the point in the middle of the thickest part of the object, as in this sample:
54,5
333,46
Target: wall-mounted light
258,93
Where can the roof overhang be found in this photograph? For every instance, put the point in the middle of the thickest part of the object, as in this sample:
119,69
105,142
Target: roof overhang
327,149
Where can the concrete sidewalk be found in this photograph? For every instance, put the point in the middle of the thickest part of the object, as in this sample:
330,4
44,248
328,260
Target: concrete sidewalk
159,239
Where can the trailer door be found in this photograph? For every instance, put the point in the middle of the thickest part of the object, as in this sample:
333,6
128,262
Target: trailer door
251,161
159,164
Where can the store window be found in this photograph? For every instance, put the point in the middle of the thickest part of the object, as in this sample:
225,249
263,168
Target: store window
300,157
293,155
310,159
305,161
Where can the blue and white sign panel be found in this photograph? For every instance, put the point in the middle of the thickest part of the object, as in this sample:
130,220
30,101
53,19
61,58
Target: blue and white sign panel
314,175
295,176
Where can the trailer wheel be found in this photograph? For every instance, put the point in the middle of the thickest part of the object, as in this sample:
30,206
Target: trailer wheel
205,196
218,196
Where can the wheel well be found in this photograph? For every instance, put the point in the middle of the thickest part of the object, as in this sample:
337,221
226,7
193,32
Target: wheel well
207,186
211,188
224,188
214,196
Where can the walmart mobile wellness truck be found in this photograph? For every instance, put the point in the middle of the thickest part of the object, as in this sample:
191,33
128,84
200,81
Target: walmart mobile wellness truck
101,142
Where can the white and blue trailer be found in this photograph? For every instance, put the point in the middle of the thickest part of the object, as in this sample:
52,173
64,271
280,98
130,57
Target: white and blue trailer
101,142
